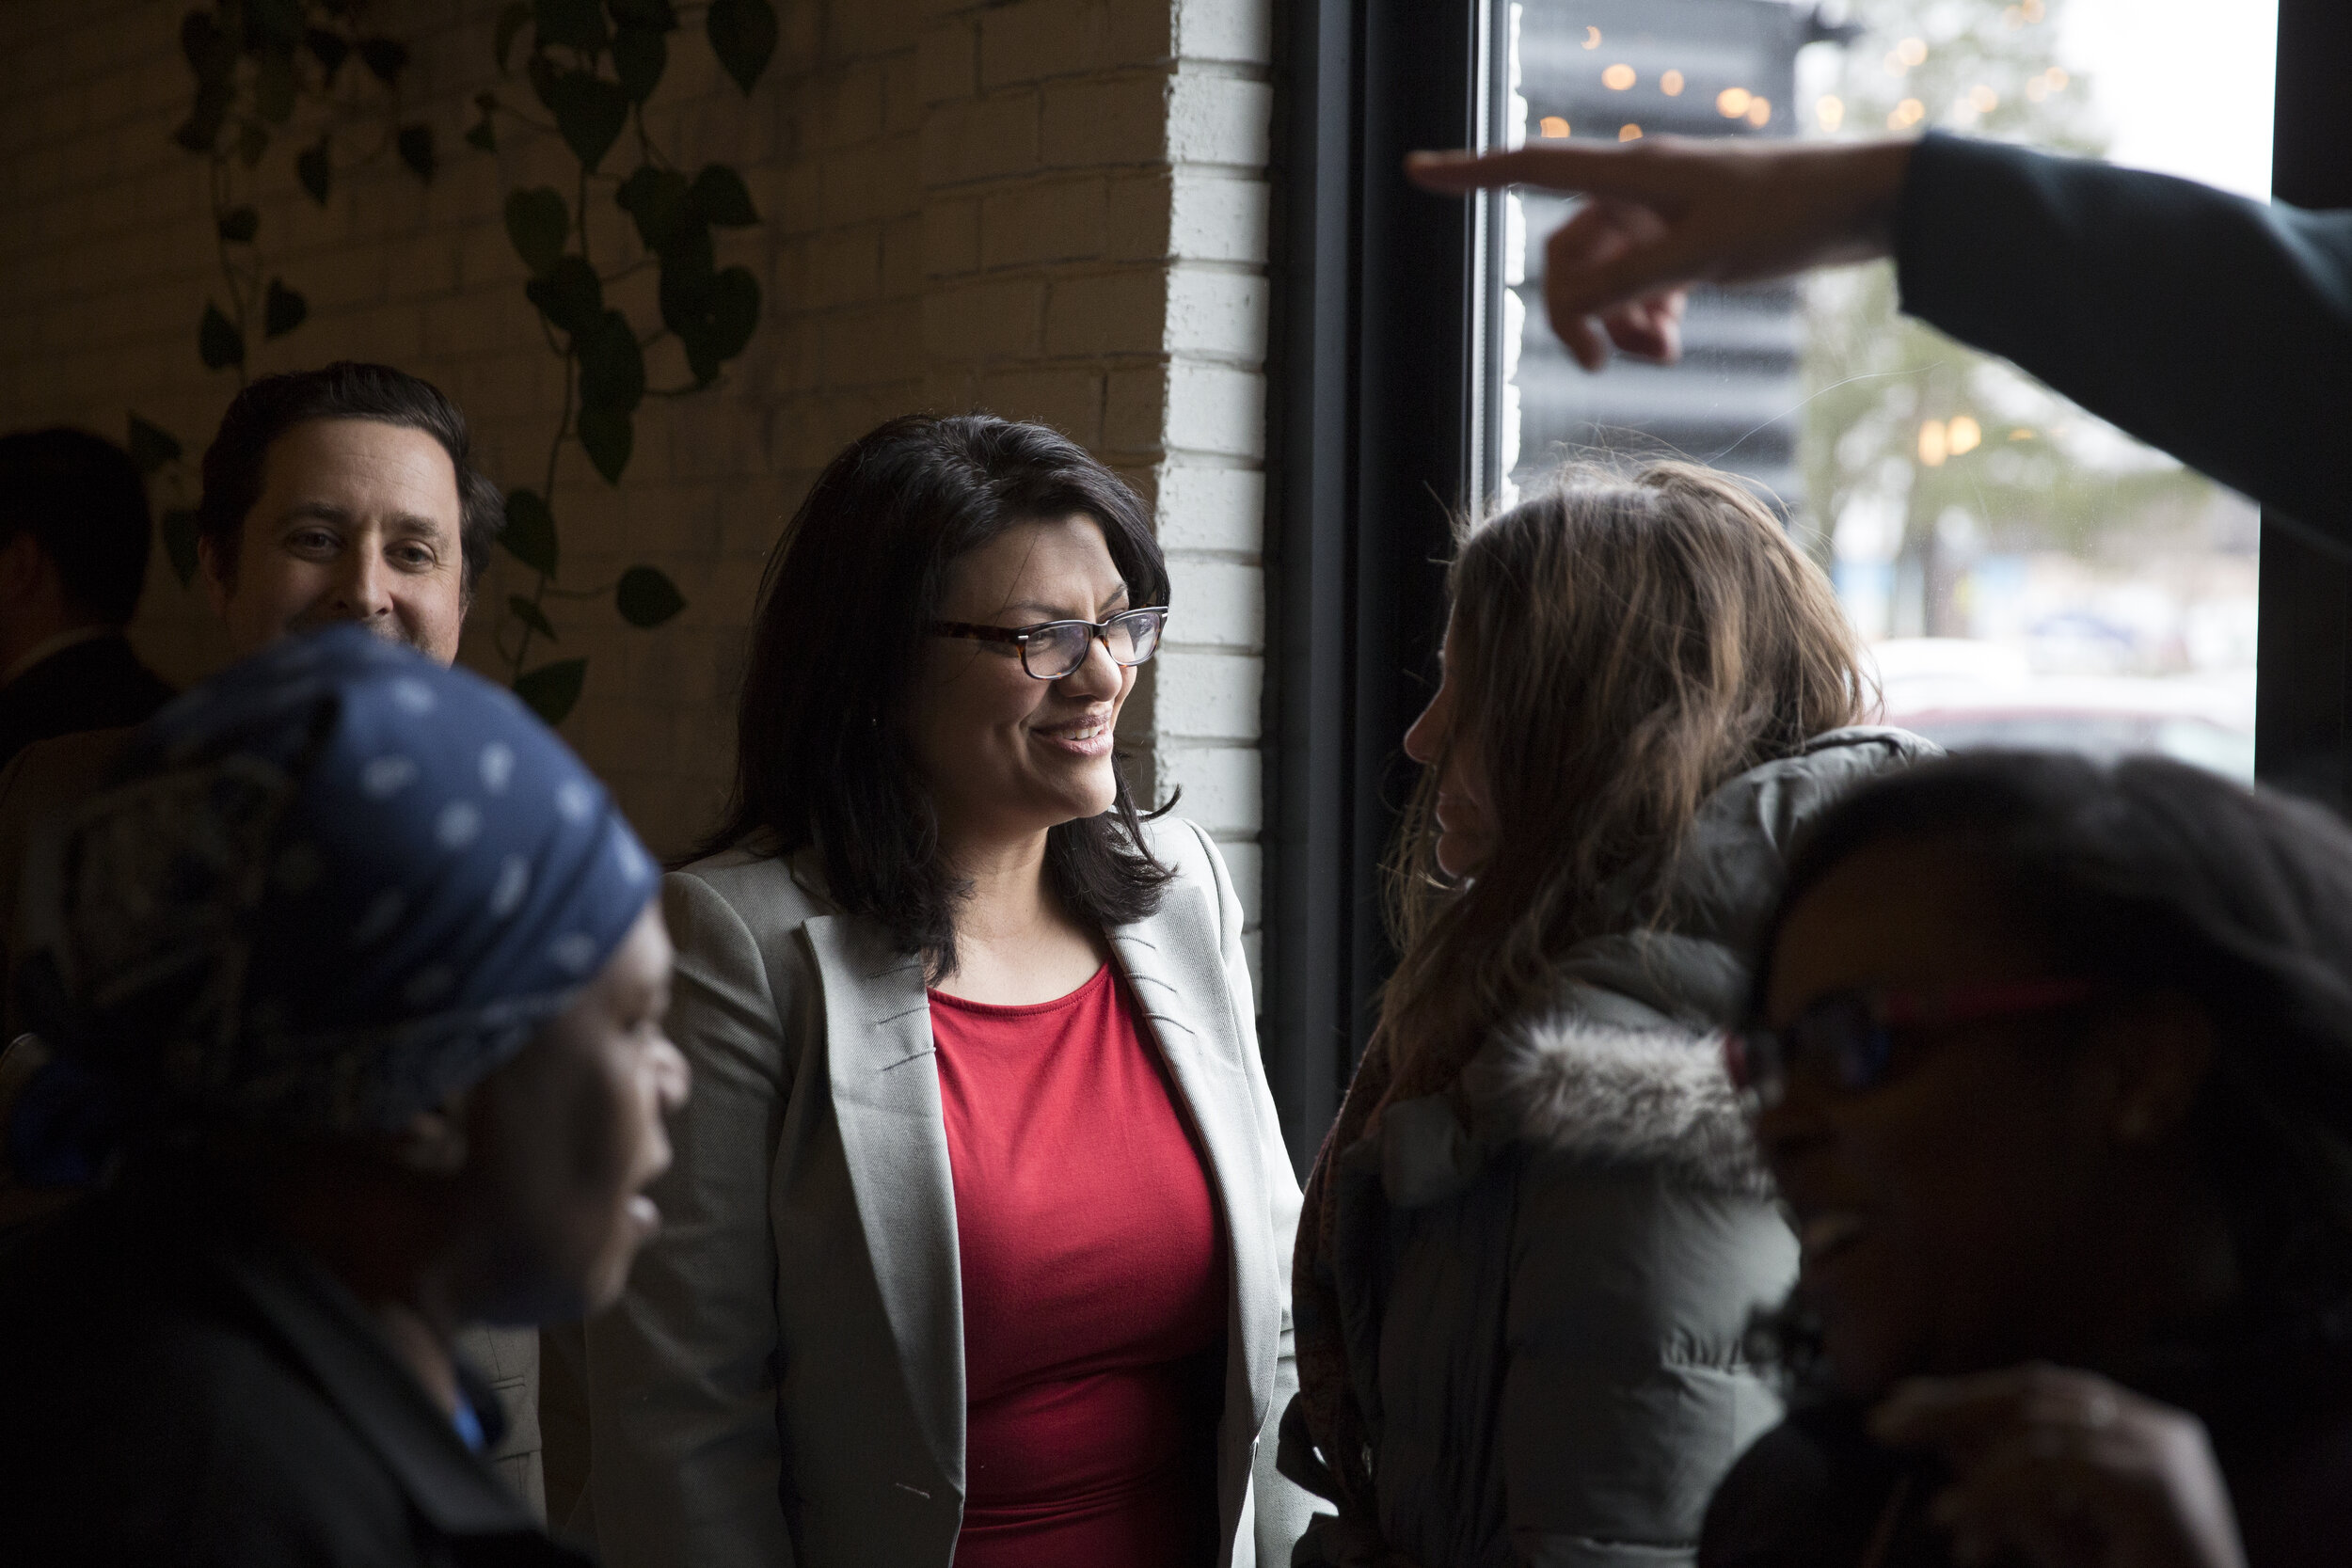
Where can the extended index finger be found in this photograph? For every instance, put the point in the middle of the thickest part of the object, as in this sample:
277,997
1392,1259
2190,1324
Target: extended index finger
1600,171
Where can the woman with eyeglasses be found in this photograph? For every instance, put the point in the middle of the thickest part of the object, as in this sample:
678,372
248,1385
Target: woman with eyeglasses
1533,1241
2053,1064
978,1231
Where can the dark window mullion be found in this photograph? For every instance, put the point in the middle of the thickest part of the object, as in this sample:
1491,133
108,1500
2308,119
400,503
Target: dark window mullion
2303,658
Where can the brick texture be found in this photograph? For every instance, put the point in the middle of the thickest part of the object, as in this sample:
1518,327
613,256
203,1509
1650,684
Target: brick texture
1050,208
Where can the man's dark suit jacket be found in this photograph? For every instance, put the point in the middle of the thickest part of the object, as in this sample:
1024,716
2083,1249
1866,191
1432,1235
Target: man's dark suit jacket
2214,327
97,685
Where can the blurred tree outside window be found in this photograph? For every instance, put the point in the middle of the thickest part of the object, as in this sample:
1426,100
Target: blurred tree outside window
2025,572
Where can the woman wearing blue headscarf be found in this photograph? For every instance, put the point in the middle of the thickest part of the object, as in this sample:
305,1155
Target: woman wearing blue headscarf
357,986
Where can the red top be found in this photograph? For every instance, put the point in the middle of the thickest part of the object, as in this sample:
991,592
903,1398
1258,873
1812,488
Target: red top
1094,1288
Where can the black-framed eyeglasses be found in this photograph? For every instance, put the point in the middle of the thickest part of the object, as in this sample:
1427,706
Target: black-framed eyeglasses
1051,649
1848,1041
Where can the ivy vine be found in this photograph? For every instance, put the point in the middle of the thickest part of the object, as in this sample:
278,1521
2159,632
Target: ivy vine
591,66
258,64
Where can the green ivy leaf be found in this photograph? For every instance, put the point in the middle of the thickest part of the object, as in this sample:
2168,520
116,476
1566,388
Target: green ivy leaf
529,535
659,14
282,309
729,315
211,53
329,49
573,24
640,55
688,265
536,222
612,366
734,314
531,615
240,224
274,87
569,296
310,167
202,129
512,21
416,149
151,446
646,596
178,527
274,21
252,141
591,112
483,138
607,435
551,689
218,343
386,58
722,199
744,35
657,199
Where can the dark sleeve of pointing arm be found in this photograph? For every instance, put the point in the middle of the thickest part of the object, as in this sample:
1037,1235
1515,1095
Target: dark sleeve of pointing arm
2212,327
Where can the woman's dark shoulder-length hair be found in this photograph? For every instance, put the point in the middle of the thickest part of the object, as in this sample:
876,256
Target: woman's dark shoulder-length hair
2150,874
821,756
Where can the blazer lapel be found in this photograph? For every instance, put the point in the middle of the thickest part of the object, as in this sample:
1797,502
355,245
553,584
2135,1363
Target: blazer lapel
1173,963
885,1100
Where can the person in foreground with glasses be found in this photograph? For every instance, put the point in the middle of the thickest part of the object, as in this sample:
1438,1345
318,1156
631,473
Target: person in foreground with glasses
2053,1064
357,982
975,1050
1536,1236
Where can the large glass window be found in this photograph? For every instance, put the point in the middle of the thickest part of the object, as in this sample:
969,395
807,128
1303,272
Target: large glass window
2024,573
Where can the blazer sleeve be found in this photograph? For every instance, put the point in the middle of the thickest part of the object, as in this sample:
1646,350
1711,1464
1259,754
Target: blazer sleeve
2212,327
686,1461
1282,1506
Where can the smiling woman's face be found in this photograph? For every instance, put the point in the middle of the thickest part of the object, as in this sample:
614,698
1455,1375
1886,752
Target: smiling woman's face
1006,756
1950,1215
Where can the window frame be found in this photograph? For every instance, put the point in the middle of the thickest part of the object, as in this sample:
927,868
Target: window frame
2303,640
1370,441
1377,438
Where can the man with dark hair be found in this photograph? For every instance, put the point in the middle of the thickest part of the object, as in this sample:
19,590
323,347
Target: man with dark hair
345,494
73,541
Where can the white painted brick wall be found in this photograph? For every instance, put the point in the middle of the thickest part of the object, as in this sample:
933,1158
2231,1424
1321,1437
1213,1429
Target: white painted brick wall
1114,152
1053,209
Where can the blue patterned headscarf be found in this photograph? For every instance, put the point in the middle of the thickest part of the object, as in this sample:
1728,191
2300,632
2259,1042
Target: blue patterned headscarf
323,889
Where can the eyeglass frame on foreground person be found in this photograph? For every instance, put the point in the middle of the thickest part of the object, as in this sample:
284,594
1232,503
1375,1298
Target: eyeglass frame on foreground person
2053,1061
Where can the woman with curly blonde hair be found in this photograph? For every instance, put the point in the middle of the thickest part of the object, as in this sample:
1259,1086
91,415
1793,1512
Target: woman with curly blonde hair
1533,1240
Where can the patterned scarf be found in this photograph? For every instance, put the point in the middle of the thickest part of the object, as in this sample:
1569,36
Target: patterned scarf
323,889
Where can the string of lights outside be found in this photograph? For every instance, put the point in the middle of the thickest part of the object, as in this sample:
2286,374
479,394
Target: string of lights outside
2024,573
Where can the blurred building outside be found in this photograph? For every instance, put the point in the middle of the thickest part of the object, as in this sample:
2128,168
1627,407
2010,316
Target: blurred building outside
2025,572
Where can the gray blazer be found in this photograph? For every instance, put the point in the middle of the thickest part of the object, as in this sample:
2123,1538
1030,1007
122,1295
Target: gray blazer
784,1381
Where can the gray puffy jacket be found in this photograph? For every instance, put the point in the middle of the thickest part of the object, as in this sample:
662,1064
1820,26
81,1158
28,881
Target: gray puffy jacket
1545,1276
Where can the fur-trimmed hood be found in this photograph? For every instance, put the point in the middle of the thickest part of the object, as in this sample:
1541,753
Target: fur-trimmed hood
1567,1084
